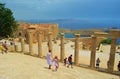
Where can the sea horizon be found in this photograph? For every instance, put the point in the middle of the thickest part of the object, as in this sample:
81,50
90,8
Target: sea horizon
75,24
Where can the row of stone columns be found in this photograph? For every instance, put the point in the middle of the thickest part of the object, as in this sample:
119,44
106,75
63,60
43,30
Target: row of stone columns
111,57
76,56
93,51
30,36
62,55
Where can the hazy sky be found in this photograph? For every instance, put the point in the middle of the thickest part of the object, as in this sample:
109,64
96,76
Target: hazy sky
65,9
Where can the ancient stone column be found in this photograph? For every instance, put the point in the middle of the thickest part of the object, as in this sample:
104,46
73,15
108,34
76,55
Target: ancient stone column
22,45
62,53
11,48
112,55
50,41
93,52
16,48
40,44
80,45
76,57
30,37
14,45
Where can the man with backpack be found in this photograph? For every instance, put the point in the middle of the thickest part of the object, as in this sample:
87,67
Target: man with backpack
70,61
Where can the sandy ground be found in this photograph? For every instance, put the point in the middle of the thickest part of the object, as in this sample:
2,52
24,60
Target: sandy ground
20,66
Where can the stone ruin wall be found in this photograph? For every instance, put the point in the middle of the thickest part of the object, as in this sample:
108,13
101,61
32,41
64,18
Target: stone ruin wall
44,28
51,28
86,42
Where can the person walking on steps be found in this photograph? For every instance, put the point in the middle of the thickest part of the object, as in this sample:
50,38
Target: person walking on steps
70,61
49,59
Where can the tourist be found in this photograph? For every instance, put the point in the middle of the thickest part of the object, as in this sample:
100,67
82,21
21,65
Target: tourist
11,43
55,60
1,49
97,63
65,61
5,46
70,61
49,59
118,66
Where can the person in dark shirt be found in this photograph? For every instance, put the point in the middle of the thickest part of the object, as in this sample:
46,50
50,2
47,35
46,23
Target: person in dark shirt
97,63
70,61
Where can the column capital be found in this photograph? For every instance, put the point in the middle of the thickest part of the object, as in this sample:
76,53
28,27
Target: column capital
115,33
77,35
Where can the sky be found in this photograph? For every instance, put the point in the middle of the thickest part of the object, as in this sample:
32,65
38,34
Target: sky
65,9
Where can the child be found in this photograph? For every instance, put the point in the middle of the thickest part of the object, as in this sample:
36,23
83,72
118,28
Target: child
65,61
56,63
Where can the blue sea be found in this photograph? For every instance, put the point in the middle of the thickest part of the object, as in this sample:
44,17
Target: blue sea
70,35
81,24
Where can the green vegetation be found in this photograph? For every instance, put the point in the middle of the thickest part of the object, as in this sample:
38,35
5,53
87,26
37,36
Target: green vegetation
106,41
8,25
